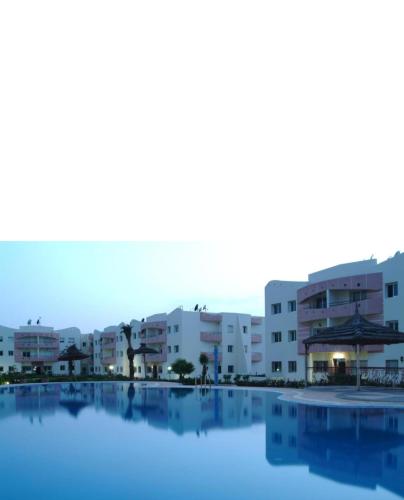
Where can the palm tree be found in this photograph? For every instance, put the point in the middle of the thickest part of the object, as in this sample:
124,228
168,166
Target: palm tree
126,329
203,360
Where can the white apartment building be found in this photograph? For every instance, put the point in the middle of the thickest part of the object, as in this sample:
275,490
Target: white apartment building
295,310
185,334
32,346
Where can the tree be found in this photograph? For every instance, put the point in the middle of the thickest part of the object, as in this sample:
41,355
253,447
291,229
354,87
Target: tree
126,329
182,367
203,360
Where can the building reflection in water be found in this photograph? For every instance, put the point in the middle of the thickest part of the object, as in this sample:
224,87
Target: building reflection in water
362,447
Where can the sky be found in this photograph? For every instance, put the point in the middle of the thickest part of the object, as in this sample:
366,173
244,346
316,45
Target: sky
240,141
92,285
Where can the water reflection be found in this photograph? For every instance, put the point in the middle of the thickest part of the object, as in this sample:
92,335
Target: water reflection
361,447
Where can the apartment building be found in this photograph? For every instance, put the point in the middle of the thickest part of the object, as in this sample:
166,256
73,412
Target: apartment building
179,334
298,309
35,346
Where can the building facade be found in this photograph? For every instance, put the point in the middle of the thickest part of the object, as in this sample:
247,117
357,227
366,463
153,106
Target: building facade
296,310
179,334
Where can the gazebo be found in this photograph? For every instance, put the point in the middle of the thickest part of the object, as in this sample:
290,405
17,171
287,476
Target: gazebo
356,331
71,354
143,350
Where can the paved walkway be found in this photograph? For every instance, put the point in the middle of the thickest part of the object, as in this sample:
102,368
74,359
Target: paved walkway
347,396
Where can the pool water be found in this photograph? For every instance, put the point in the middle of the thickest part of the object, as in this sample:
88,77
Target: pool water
124,441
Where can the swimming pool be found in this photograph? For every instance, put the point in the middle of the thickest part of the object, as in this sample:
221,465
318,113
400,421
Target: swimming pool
121,440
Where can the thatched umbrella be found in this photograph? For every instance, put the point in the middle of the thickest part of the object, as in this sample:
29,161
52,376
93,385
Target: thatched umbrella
143,350
71,354
356,331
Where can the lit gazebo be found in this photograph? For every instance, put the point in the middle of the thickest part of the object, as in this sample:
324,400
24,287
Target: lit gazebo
356,331
143,350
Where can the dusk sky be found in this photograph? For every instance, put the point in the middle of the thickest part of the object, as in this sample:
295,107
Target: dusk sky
93,285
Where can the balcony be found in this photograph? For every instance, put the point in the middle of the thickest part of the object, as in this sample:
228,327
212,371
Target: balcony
108,360
340,309
256,338
156,358
256,357
35,358
211,337
211,356
156,339
212,318
256,320
160,325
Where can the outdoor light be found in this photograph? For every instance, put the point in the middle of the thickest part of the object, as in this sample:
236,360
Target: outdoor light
111,367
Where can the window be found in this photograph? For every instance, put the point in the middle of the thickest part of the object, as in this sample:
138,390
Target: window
291,305
320,366
230,369
230,328
292,366
62,368
62,341
246,348
229,348
134,335
292,441
391,289
169,329
219,369
1,368
276,366
84,344
1,353
392,324
321,303
276,308
245,330
1,339
292,335
292,412
176,328
391,365
277,410
277,438
26,354
176,348
276,336
169,349
139,369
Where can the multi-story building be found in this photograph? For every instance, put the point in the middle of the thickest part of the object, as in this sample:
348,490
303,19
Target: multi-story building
185,334
33,347
296,310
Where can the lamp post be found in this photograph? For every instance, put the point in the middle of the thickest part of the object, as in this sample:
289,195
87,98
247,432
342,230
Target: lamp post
169,368
111,369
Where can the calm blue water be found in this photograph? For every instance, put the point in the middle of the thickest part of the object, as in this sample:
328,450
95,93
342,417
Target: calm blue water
117,440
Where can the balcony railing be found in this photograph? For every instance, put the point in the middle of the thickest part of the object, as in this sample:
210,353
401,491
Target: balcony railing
19,358
211,356
108,360
156,358
155,339
211,337
256,338
256,357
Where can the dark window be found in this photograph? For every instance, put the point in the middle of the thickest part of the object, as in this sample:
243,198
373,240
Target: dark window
230,369
292,366
169,348
291,305
11,353
229,348
176,348
276,337
277,410
245,329
320,366
392,289
219,369
276,366
276,308
391,365
392,324
62,368
292,335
